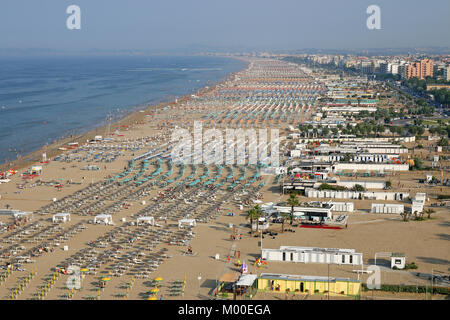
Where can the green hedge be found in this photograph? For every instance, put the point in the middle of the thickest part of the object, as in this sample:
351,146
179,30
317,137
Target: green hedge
409,288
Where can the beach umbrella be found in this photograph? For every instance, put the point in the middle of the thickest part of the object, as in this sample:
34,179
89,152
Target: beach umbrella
158,279
106,279
151,298
154,290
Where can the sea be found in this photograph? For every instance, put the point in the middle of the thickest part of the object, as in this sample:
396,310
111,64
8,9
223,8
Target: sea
43,99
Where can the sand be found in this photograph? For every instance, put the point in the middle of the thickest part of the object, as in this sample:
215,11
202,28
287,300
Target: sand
423,242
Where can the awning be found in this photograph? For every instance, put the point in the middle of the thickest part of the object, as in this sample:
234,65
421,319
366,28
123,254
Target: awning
246,280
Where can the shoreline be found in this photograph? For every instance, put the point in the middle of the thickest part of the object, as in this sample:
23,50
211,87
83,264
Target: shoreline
130,119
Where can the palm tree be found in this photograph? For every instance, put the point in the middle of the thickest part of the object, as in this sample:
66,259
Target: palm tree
283,215
254,214
251,215
292,201
429,212
404,216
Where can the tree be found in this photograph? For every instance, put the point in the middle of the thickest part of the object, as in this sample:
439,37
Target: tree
358,188
418,163
335,131
254,214
405,216
315,130
388,184
284,216
393,129
429,212
292,201
443,142
347,157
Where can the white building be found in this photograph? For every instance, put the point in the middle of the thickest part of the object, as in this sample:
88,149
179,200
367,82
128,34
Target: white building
398,260
387,208
103,219
186,223
342,206
313,255
296,153
370,167
447,73
418,202
370,195
321,210
366,184
145,220
61,217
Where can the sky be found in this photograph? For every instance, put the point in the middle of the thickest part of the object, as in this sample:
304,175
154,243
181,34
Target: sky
232,24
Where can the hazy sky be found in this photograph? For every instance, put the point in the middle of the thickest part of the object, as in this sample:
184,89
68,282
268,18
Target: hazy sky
259,24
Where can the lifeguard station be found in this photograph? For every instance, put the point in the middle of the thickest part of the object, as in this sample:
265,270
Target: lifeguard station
145,221
62,217
103,219
186,223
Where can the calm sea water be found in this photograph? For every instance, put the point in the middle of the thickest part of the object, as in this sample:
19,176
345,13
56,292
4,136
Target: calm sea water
44,99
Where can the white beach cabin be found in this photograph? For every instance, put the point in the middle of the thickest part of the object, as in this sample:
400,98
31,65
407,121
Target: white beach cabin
61,217
104,219
398,260
145,220
186,222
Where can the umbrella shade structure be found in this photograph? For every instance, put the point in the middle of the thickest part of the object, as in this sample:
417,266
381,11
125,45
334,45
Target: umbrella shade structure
106,279
151,298
154,290
158,279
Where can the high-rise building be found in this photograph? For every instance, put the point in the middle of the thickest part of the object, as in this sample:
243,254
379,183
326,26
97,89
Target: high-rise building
384,67
447,73
394,68
419,69
366,66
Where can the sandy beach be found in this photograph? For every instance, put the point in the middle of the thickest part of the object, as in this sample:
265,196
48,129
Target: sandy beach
130,257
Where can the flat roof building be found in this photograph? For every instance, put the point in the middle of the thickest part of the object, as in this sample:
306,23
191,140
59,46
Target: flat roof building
313,255
276,282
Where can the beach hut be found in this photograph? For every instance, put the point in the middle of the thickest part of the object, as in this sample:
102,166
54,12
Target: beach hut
309,284
145,220
398,260
186,222
103,219
61,217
